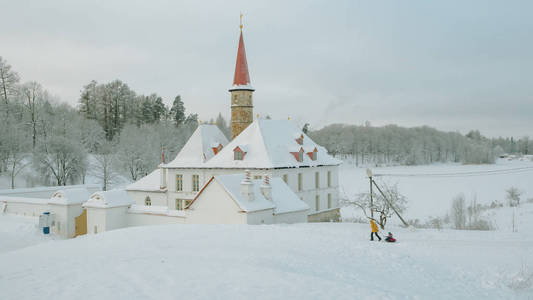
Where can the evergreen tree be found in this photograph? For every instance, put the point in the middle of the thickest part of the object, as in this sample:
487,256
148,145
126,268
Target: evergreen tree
177,112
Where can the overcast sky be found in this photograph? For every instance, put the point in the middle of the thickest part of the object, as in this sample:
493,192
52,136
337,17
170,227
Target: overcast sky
453,65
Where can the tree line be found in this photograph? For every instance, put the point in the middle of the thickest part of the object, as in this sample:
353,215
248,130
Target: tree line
113,131
392,144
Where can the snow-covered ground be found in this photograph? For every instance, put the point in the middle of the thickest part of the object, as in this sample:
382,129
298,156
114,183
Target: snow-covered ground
305,261
429,195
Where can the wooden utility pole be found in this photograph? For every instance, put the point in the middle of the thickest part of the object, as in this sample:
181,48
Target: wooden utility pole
390,204
369,173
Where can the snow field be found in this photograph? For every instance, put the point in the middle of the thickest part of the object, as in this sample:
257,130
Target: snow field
432,196
304,261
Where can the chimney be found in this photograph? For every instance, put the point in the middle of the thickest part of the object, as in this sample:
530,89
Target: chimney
162,171
266,188
247,187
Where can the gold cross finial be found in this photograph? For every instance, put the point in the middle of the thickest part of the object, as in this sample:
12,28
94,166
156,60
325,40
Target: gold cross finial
241,22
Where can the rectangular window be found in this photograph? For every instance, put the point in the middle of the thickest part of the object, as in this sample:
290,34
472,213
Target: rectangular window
317,202
237,155
317,180
299,182
329,200
179,183
182,204
257,176
286,178
329,178
195,183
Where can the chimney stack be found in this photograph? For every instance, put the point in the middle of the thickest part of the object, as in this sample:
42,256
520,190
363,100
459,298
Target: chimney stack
266,188
247,187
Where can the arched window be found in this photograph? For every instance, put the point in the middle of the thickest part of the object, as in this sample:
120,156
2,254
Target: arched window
147,201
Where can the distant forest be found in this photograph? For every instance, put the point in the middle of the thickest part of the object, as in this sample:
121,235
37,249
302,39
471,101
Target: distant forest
391,144
115,132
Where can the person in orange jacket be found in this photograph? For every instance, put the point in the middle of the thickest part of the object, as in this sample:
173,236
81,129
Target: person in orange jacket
374,228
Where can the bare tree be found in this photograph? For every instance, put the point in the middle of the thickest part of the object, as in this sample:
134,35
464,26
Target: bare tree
8,84
379,204
61,157
14,147
513,196
458,212
33,95
102,165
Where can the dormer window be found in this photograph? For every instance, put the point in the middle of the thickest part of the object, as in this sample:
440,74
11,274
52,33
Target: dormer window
299,155
216,148
147,201
300,140
239,152
313,154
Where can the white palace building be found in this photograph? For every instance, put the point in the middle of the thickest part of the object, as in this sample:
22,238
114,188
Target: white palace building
270,172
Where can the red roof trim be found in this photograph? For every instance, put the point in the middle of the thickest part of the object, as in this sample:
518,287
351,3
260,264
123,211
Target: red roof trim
197,195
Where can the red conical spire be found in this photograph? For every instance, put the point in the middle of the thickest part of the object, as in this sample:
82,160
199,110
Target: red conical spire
242,77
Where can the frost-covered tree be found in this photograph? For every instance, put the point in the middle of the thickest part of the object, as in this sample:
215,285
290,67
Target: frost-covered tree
101,166
34,96
14,147
513,195
380,205
9,80
458,212
60,157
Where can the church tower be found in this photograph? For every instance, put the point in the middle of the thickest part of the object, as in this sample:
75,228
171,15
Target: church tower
242,108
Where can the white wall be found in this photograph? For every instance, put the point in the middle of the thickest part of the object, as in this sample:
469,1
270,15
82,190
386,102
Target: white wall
143,219
65,218
291,218
25,206
157,198
260,217
116,217
215,206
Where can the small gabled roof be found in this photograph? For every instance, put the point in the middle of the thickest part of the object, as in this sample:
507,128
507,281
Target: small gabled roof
109,199
199,147
149,183
269,144
284,200
70,196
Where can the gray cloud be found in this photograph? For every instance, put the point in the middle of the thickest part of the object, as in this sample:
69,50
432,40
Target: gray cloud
454,65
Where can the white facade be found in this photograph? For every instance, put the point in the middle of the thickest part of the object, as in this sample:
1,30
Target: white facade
270,151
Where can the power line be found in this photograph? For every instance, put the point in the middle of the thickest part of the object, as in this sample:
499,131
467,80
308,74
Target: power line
464,174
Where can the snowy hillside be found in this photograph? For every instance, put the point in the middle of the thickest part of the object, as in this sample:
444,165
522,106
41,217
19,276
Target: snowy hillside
307,261
431,195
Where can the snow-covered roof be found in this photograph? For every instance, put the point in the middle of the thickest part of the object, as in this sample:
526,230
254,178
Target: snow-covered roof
70,196
149,183
108,199
283,198
269,144
198,148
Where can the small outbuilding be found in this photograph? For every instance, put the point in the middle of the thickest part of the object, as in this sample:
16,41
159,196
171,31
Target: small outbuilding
107,210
